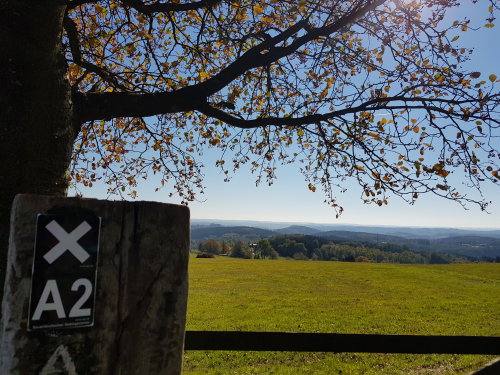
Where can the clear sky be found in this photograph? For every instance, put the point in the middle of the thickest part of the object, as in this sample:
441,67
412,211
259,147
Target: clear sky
289,199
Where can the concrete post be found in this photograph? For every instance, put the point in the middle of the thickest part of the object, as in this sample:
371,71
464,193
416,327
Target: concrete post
140,292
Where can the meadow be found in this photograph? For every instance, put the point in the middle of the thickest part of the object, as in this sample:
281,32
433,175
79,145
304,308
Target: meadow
314,296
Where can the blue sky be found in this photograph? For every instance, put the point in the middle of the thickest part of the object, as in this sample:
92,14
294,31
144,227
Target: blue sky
289,199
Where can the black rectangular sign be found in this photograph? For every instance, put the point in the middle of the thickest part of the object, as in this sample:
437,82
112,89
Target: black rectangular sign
64,271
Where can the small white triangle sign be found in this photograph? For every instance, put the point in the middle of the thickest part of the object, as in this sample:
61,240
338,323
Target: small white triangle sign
54,365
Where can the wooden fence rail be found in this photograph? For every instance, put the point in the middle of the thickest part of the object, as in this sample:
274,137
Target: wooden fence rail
333,342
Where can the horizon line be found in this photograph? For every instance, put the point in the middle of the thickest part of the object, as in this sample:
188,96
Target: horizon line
347,224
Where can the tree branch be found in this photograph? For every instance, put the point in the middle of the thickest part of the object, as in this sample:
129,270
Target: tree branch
425,103
74,45
99,106
169,7
153,8
93,106
255,57
76,3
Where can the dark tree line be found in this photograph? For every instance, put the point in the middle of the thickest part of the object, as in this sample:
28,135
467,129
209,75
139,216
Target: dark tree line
311,247
306,247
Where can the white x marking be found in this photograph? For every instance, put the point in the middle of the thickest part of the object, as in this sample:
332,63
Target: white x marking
67,241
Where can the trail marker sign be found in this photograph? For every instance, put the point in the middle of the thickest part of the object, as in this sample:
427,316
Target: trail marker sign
64,271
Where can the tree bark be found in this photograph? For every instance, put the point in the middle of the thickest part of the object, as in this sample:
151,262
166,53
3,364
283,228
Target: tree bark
36,113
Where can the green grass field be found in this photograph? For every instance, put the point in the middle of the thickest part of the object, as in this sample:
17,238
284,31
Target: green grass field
306,296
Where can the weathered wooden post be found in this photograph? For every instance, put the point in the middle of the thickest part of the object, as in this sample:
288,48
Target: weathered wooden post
129,320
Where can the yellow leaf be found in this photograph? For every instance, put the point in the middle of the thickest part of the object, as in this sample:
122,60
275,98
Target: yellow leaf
359,168
204,75
257,8
492,77
437,167
416,129
324,93
443,173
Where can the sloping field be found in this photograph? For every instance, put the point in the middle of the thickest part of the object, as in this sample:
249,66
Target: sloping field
306,296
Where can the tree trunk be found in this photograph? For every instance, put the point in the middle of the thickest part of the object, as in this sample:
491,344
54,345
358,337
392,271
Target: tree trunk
36,115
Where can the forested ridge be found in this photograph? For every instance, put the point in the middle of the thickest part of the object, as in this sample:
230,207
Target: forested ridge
305,247
467,243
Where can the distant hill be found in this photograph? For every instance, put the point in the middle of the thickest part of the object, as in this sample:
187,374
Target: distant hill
435,233
475,246
343,235
308,228
478,246
229,233
298,229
